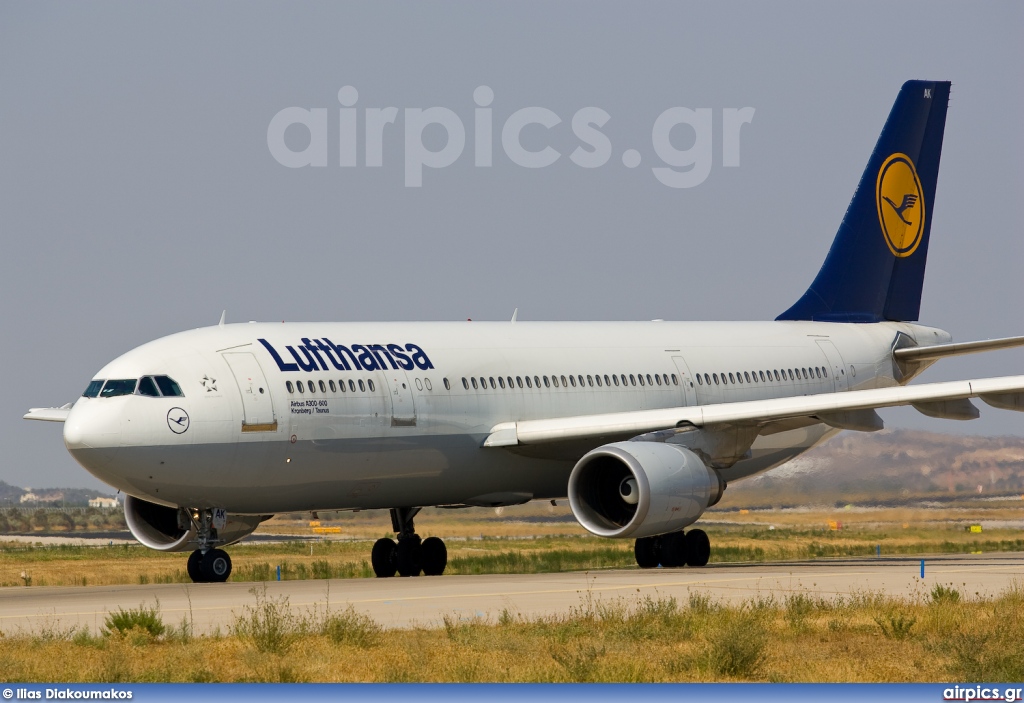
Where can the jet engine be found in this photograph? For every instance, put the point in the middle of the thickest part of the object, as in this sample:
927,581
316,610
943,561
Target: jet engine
640,489
170,529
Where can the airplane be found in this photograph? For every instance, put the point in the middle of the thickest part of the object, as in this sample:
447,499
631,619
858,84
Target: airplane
642,425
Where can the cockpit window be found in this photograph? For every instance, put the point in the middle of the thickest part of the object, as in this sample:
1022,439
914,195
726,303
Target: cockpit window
167,386
118,387
147,386
93,390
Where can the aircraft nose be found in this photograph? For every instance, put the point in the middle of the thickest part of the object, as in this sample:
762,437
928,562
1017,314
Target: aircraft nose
92,431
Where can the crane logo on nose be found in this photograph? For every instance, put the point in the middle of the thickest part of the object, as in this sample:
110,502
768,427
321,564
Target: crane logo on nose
177,420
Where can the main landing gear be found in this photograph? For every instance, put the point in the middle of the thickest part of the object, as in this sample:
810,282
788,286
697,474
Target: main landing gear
207,564
411,555
692,548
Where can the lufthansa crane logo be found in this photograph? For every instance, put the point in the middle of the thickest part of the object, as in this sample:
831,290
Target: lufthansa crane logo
177,420
900,202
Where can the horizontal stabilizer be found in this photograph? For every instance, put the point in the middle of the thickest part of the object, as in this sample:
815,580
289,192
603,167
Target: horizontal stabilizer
49,414
939,351
958,409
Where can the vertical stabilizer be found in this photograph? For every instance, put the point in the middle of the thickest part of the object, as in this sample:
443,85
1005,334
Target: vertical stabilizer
875,268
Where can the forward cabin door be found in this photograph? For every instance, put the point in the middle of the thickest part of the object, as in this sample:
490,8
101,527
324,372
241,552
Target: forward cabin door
835,364
257,405
403,408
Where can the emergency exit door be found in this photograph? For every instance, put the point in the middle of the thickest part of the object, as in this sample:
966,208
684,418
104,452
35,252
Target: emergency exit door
257,405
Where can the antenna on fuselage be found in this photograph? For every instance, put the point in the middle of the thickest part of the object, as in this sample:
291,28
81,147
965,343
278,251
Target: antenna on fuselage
515,314
223,315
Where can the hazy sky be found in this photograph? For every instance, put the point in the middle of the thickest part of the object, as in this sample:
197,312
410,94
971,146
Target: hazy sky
139,197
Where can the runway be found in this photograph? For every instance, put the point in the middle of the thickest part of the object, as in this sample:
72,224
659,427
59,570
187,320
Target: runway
423,601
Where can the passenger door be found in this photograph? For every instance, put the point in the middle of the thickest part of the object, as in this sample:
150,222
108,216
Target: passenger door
257,405
403,408
835,363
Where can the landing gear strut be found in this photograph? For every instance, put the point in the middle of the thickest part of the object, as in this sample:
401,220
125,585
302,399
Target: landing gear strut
692,548
411,555
207,564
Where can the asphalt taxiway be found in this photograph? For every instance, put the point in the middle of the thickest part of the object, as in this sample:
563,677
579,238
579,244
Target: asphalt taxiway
408,602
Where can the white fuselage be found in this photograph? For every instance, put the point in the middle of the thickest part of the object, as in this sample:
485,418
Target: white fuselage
410,432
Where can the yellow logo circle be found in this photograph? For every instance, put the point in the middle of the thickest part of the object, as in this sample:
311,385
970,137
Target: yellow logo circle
900,202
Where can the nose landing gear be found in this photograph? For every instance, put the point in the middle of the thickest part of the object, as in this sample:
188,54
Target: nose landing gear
206,564
411,555
692,548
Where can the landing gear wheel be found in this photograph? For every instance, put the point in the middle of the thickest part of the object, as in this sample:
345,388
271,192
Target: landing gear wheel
433,556
194,567
673,550
382,558
407,556
216,566
698,548
646,552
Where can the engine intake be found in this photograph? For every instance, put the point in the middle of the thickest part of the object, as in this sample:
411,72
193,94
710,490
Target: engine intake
639,489
168,529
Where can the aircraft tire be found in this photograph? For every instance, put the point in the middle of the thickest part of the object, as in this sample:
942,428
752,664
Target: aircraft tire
433,556
673,550
407,557
698,548
646,552
216,566
382,558
194,567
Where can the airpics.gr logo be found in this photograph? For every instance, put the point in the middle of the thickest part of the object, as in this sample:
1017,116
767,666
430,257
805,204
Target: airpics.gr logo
900,202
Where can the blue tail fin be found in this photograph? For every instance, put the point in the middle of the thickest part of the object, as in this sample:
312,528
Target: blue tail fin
875,268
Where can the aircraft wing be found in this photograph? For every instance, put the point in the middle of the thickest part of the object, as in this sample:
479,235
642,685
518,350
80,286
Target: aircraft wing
845,409
49,414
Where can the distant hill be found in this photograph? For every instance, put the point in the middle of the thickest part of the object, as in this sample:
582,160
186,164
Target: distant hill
890,465
10,496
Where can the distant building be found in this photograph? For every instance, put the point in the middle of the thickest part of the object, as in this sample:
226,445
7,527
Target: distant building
31,497
102,502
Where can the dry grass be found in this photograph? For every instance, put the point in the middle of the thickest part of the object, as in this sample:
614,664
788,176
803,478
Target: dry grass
542,545
803,638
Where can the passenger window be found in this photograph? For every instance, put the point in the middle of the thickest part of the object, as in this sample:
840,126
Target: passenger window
93,389
606,381
483,383
716,378
546,384
312,386
370,384
536,381
289,386
167,386
632,379
564,384
333,388
465,383
590,380
598,379
426,382
501,381
474,383
493,384
762,375
352,385
616,379
510,383
805,373
731,378
707,379
341,385
362,386
824,371
419,385
640,377
323,387
529,383
746,376
112,389
817,371
700,381
649,380
572,380
554,381
298,384
147,387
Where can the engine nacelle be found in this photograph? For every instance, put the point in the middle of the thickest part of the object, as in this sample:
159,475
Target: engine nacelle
640,489
170,529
